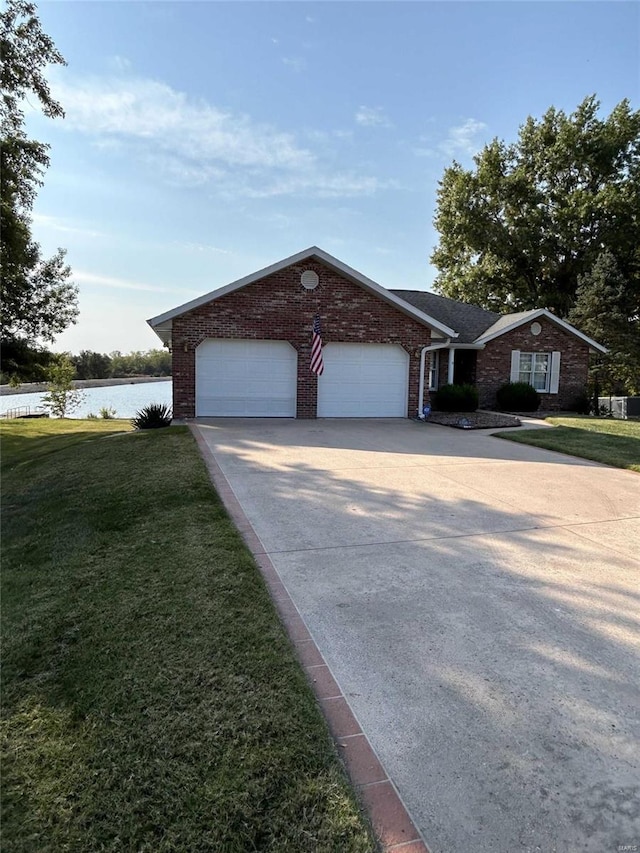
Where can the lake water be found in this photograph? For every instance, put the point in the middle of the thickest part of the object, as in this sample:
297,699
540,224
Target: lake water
125,399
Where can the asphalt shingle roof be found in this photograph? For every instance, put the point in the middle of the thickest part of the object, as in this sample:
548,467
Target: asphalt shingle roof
469,321
505,320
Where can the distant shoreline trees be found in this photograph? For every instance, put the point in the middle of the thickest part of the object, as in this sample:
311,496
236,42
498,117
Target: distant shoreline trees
114,365
118,365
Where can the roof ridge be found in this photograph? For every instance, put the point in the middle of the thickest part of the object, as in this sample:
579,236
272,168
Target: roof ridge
430,293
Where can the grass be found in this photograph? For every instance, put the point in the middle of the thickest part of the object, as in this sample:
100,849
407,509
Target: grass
613,442
151,700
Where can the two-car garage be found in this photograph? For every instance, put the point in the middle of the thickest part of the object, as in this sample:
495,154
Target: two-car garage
246,349
259,378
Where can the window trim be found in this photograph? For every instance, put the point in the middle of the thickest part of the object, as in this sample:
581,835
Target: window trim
434,370
552,385
535,356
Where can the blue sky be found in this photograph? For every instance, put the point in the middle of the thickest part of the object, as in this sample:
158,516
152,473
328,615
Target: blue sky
205,140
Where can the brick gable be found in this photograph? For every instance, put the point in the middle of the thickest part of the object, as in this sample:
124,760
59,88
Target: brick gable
277,307
493,364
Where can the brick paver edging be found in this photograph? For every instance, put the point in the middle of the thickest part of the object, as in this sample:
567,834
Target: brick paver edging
389,816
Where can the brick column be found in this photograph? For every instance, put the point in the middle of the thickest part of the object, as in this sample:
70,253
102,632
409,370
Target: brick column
184,381
307,384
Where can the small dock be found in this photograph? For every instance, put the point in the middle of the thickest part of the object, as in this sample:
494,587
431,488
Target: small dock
24,412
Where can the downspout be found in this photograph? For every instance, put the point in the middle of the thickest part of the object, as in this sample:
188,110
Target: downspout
423,355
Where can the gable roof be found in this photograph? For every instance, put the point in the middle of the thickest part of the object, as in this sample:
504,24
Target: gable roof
449,318
507,322
470,321
478,326
163,322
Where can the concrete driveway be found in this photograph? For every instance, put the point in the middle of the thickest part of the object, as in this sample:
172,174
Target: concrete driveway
478,602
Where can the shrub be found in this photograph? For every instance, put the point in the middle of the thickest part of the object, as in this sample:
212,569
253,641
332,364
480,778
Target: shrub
107,413
456,398
153,416
581,405
518,397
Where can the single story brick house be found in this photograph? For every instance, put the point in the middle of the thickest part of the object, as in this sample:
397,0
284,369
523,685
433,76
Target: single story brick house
245,349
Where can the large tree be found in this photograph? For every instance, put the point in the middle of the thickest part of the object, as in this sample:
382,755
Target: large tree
520,228
607,310
38,299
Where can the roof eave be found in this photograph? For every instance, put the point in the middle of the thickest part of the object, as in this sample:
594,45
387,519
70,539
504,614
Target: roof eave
163,331
594,346
324,257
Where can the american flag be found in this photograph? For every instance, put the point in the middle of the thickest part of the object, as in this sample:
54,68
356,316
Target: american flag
317,365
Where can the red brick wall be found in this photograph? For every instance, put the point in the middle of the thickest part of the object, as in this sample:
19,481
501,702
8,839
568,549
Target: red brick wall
494,363
278,308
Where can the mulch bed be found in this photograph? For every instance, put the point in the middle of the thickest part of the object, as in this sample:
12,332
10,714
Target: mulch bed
473,420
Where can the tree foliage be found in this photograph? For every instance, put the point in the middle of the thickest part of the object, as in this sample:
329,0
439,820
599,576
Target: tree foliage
95,365
154,362
33,364
606,309
38,300
92,365
519,229
61,398
547,221
22,362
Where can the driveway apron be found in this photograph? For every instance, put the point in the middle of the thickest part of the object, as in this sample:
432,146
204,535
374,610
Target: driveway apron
478,602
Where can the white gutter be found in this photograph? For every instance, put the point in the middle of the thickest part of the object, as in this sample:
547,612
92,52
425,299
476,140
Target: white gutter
423,355
433,348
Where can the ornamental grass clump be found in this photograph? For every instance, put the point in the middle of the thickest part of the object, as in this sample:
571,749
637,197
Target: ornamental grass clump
153,416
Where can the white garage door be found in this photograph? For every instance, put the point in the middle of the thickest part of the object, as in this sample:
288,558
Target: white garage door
246,379
363,381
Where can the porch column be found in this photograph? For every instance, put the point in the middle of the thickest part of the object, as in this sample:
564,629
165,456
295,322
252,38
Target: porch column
452,353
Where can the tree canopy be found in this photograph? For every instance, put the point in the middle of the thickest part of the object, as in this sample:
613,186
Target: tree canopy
605,309
38,300
526,227
519,228
95,365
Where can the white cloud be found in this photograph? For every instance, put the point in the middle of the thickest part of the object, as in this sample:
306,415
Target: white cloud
328,137
296,63
53,223
191,142
150,111
372,117
84,277
345,185
463,139
202,247
119,63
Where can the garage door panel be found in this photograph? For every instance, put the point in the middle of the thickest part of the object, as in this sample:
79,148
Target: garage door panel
363,381
246,378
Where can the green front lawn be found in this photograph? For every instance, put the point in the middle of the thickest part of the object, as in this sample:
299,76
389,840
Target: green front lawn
151,699
613,442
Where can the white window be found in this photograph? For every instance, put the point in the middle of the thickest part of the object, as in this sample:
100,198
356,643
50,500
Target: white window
540,369
534,369
433,370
